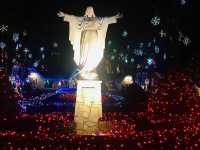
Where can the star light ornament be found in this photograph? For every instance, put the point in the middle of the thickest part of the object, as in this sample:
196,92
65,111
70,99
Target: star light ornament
155,21
2,45
4,28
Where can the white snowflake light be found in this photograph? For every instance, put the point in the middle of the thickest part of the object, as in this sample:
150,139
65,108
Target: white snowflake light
25,33
164,56
109,42
157,49
13,60
41,49
43,56
155,21
125,33
186,41
2,45
15,37
55,44
114,50
4,28
20,45
112,57
138,66
26,50
140,52
141,45
146,67
180,37
154,40
182,2
132,60
36,64
149,44
30,56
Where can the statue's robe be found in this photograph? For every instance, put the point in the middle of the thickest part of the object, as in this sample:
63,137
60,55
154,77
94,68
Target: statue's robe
87,36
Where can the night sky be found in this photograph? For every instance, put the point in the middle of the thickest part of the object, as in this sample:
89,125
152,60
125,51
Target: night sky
39,19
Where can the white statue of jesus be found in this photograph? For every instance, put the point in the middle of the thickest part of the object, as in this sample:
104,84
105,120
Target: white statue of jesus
87,35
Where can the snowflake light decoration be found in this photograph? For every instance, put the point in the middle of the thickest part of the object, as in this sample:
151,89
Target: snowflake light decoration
132,60
150,61
164,56
41,49
186,41
55,44
125,33
15,37
43,56
109,42
138,66
114,50
13,60
36,64
30,56
149,44
4,28
155,21
2,45
25,33
112,57
157,49
163,34
26,50
183,2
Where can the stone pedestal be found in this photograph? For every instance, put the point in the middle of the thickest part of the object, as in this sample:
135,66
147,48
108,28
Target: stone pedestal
88,107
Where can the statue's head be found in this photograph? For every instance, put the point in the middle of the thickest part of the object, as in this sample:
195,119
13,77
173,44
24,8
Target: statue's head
89,12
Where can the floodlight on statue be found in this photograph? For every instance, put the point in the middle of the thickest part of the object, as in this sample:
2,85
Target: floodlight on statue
87,35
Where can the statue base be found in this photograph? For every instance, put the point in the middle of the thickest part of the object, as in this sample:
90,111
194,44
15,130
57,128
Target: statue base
88,107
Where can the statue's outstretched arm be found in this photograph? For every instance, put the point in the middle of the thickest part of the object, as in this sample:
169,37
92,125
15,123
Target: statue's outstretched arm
65,16
118,16
113,19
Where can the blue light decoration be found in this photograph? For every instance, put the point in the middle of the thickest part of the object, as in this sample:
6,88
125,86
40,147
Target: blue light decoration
15,37
157,49
150,61
2,45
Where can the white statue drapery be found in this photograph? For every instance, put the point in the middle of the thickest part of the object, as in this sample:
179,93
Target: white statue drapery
87,35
